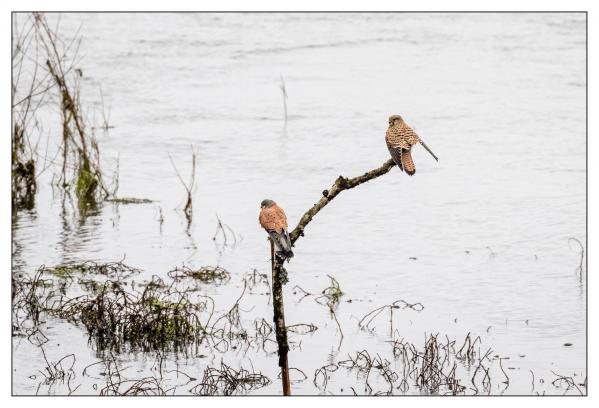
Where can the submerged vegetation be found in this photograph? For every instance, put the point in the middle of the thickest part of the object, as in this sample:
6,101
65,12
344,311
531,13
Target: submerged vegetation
432,369
206,274
227,381
129,200
47,74
80,150
156,319
117,314
121,315
24,183
115,270
28,93
332,293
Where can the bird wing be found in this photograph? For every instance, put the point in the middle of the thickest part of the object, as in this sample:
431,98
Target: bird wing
280,216
395,154
403,137
396,143
274,221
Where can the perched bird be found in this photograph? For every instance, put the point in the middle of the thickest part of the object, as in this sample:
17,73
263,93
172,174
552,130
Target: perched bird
274,221
400,138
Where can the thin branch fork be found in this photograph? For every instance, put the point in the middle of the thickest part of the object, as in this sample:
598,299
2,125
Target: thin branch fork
341,184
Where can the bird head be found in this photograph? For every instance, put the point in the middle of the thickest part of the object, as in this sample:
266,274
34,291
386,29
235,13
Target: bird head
267,203
395,119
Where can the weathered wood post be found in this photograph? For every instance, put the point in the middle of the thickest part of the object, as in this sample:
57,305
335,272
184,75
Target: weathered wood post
279,318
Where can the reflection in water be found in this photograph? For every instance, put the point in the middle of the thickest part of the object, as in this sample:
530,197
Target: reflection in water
20,217
80,223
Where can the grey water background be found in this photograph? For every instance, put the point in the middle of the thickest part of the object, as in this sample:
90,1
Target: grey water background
500,98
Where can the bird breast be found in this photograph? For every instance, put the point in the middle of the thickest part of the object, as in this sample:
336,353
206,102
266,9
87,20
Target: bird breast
273,219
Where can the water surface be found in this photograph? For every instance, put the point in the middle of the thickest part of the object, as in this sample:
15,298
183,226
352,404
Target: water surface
500,98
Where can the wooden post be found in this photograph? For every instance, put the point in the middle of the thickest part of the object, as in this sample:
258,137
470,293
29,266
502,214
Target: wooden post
279,319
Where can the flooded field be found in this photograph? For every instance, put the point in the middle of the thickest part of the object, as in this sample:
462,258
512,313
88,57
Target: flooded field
474,259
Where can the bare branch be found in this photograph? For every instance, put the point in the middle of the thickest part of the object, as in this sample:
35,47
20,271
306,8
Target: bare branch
342,183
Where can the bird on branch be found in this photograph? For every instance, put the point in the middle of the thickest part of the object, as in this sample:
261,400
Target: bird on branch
400,138
273,219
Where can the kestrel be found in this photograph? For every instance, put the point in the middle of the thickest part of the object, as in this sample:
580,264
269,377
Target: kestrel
400,138
274,221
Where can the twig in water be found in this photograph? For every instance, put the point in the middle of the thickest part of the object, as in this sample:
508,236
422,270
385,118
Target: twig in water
189,187
284,90
302,328
300,371
227,381
507,379
568,381
332,293
223,228
398,304
105,118
579,268
305,293
467,352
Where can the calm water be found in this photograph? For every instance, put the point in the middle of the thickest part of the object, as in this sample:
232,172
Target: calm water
499,98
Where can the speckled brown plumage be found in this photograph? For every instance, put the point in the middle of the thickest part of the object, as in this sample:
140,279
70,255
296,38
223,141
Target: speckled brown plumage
273,219
407,162
400,138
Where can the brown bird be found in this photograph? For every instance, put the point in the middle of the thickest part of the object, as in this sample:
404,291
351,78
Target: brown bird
400,138
274,221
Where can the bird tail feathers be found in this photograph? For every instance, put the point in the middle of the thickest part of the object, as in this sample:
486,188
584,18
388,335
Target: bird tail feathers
407,162
282,243
428,150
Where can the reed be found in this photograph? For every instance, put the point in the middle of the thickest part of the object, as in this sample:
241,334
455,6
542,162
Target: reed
189,186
